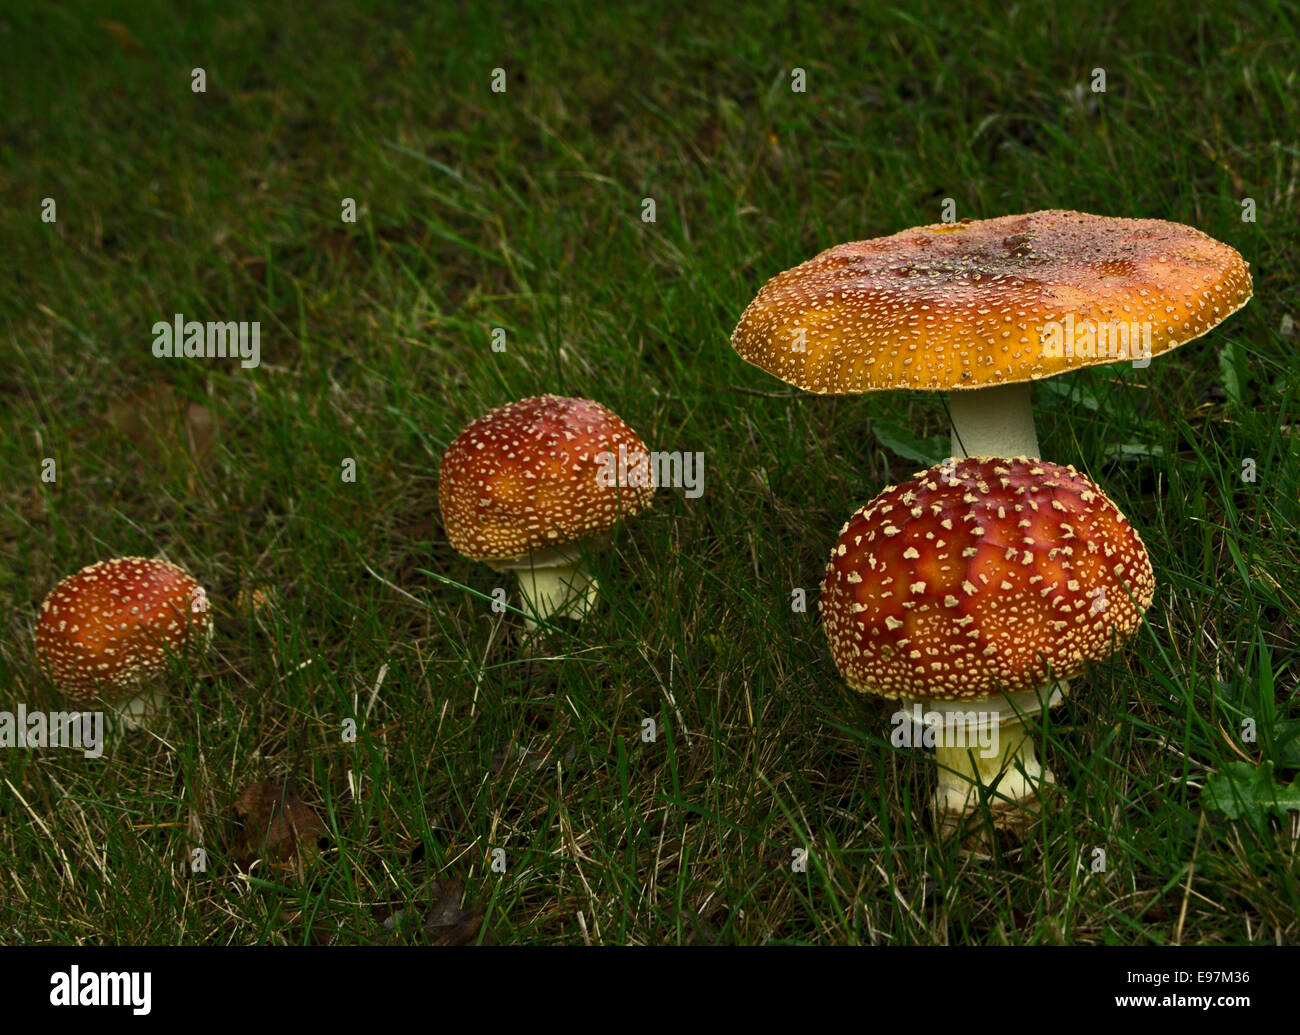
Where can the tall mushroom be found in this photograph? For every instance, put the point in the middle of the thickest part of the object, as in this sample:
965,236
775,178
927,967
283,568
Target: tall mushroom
524,486
105,633
981,308
986,584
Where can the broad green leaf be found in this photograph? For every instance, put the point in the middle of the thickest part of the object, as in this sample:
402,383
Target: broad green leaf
1243,791
1233,372
928,451
1286,744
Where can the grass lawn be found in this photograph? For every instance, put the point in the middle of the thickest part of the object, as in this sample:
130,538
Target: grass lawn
522,210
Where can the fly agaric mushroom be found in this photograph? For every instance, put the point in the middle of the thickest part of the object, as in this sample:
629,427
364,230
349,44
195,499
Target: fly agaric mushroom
985,583
107,631
981,308
523,486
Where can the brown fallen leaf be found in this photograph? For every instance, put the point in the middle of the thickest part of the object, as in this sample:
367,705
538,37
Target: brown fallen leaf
450,923
161,425
200,430
338,244
702,932
122,37
277,826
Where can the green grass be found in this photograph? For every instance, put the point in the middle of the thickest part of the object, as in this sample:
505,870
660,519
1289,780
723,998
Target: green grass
522,211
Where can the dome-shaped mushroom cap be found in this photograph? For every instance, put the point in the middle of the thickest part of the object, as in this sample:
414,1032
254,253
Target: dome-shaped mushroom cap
537,473
974,577
103,632
972,304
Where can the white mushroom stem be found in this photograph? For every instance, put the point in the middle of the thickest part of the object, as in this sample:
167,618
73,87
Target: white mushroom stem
553,583
1013,766
997,421
569,591
118,717
141,711
986,744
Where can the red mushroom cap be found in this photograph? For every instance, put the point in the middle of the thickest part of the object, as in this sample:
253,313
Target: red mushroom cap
105,630
527,476
973,578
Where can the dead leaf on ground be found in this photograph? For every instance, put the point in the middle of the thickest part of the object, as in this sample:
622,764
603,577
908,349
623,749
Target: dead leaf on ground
122,37
160,424
451,924
450,920
276,826
338,244
702,931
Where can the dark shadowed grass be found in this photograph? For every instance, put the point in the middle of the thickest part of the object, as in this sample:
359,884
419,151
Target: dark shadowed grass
522,211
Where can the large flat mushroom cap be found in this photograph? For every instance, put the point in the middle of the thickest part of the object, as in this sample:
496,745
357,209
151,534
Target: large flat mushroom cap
967,305
974,577
536,474
103,632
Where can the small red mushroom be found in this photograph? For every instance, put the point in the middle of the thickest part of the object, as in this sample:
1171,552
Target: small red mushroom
523,487
988,582
105,632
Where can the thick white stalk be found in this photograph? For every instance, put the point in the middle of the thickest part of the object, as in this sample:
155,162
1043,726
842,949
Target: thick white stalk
142,711
988,742
567,590
1013,766
996,421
